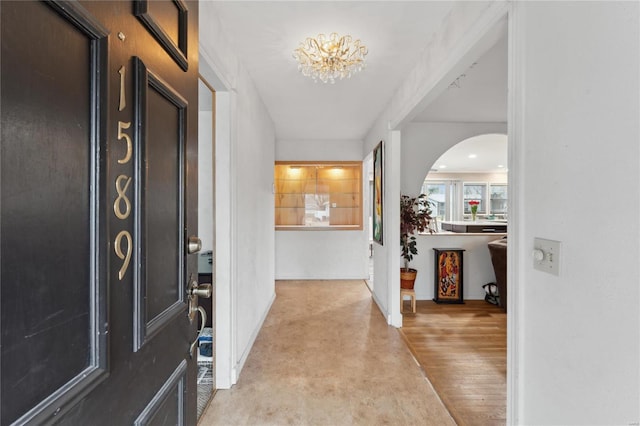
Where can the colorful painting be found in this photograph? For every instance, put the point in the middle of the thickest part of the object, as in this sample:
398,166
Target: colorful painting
448,276
378,190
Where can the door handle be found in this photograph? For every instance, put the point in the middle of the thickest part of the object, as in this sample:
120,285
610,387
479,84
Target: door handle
202,290
203,314
194,291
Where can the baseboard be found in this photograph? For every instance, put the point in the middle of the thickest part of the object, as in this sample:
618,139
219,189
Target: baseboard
237,369
384,313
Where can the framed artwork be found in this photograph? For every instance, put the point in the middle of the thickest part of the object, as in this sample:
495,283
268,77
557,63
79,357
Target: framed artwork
448,276
378,191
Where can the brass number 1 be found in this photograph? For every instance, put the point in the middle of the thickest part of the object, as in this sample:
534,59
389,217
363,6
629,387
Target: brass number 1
126,257
123,102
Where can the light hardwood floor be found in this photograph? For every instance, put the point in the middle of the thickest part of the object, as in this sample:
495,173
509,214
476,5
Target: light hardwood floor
462,350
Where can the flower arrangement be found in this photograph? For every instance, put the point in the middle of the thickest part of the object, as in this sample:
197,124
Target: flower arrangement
473,204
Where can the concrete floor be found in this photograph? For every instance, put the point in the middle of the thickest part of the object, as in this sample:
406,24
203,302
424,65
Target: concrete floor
325,356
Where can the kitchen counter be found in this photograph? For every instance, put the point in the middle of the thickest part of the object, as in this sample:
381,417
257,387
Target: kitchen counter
479,226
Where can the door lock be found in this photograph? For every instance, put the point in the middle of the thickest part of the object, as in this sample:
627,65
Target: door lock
202,290
194,244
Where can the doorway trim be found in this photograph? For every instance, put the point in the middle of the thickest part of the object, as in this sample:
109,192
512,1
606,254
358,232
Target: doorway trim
515,244
225,226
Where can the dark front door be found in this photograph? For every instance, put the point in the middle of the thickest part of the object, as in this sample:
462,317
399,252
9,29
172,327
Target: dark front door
98,106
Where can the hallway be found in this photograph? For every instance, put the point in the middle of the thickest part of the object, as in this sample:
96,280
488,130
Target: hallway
325,355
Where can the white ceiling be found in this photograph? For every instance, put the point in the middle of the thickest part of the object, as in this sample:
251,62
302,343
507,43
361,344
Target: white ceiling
479,95
483,153
264,35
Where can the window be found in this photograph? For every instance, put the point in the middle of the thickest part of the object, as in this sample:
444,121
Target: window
450,199
498,198
477,192
318,195
437,195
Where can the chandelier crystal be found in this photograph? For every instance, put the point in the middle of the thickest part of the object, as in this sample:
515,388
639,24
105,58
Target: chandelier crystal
330,58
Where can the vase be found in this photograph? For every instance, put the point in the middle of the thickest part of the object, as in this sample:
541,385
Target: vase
473,216
407,278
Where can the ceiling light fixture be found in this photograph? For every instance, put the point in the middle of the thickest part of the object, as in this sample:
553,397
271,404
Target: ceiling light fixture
329,58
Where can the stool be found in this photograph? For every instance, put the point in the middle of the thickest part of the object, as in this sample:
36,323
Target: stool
412,294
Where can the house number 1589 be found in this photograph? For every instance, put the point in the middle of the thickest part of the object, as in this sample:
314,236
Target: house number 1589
122,204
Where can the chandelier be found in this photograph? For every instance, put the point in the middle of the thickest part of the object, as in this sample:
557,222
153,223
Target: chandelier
329,58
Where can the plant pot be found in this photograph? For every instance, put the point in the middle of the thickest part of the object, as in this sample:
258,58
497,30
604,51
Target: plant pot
408,278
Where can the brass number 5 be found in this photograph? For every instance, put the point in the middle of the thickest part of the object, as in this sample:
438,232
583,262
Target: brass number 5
121,135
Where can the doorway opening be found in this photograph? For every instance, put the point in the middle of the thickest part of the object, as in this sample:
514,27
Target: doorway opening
206,226
367,179
473,170
469,200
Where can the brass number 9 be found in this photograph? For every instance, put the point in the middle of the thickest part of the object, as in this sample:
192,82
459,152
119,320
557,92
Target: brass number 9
126,257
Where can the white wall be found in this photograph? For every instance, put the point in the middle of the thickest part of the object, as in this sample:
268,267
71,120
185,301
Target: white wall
255,213
576,71
244,202
386,256
318,150
424,143
322,254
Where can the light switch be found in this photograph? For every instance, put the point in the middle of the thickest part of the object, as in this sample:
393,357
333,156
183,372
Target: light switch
546,255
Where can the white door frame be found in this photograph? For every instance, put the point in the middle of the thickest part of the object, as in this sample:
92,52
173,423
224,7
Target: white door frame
225,231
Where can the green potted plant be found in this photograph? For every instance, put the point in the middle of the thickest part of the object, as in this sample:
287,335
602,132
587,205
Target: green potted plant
415,215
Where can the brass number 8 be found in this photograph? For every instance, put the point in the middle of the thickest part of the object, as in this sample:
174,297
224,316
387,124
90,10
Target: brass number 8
122,197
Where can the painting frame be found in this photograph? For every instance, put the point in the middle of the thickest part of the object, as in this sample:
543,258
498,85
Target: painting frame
448,275
378,194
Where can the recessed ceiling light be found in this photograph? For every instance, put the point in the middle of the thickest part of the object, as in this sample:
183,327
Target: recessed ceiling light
472,155
442,166
500,166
